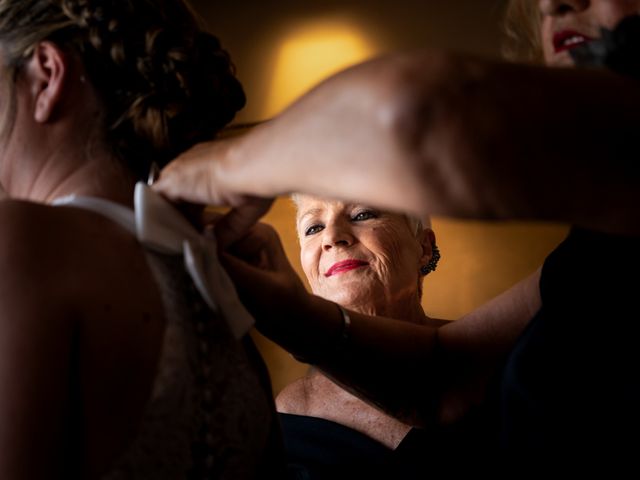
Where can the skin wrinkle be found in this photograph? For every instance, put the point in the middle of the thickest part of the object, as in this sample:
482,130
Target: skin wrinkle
389,284
393,244
58,170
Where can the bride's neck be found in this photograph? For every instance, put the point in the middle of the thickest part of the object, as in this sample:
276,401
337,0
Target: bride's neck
98,175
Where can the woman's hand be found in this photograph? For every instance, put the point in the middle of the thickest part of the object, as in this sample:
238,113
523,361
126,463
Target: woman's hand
196,177
239,221
193,177
267,284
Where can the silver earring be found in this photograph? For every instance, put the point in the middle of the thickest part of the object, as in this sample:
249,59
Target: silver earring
433,261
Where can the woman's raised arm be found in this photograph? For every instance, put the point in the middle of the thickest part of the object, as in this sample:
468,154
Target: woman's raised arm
431,133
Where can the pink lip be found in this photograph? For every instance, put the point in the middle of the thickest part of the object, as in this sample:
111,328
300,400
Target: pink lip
568,39
345,266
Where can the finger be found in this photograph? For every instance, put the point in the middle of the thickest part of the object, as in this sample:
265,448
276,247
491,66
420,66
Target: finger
193,212
255,247
245,277
185,179
211,217
276,253
236,224
170,179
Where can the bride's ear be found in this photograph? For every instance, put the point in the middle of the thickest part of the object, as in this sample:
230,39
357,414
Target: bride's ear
46,73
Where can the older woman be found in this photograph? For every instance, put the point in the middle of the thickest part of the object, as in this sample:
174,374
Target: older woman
111,363
470,138
370,261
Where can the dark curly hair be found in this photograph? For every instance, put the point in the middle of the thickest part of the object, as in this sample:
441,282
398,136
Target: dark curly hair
164,82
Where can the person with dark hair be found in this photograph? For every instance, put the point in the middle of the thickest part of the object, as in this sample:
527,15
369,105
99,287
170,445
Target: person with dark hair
119,356
434,133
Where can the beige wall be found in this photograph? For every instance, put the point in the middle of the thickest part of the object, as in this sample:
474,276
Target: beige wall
478,259
253,31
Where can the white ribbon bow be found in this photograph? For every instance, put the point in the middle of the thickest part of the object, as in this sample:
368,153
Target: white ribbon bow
161,227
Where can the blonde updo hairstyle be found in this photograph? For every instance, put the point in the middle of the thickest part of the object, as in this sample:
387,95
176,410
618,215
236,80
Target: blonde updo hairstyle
164,82
522,32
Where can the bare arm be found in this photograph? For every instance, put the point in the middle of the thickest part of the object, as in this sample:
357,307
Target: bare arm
433,133
421,374
403,368
35,346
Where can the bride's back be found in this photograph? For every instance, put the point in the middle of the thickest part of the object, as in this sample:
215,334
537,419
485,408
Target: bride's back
112,364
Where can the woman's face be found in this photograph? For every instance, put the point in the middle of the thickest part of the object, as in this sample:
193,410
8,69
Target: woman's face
568,23
358,256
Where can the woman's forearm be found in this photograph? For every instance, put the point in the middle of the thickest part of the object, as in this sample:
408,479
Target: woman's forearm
389,363
436,134
417,373
340,140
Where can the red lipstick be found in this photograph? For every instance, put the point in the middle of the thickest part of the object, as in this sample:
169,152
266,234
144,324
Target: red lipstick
568,39
344,266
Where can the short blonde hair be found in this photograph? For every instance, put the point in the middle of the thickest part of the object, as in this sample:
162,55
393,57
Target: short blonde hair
522,32
416,226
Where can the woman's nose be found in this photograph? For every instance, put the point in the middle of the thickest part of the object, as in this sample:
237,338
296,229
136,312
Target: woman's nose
560,7
337,236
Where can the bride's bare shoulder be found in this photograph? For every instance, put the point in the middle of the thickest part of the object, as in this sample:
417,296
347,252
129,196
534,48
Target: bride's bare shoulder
60,252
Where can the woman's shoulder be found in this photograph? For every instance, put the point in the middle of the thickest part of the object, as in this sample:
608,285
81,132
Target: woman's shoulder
293,398
18,218
308,395
31,293
63,254
30,236
35,236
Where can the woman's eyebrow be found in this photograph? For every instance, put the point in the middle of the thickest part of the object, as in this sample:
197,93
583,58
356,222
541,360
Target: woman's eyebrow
307,213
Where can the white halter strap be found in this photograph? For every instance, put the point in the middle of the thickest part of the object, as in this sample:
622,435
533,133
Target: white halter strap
162,228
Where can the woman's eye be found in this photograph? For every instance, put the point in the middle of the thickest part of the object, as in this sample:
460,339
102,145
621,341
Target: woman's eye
313,229
365,215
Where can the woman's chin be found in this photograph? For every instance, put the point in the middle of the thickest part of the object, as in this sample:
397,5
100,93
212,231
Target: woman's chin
358,301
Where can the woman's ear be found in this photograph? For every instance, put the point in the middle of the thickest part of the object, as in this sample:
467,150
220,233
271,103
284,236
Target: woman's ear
427,240
46,73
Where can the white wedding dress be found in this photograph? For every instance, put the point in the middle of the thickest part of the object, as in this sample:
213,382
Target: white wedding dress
211,411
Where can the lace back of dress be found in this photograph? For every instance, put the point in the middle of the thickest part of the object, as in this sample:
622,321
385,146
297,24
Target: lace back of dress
209,415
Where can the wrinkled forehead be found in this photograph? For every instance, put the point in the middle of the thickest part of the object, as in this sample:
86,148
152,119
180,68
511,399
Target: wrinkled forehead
304,202
307,205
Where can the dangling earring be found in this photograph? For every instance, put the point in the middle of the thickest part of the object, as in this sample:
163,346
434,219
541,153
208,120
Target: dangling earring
433,261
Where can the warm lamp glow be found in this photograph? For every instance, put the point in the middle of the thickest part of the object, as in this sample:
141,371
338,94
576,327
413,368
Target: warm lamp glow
311,53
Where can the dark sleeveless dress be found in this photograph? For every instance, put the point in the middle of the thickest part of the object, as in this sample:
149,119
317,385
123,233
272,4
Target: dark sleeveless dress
572,382
318,449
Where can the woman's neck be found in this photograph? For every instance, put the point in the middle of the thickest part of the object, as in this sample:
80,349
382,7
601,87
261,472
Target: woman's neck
99,175
408,310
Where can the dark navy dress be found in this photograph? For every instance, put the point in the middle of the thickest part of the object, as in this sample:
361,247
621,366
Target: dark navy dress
572,382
